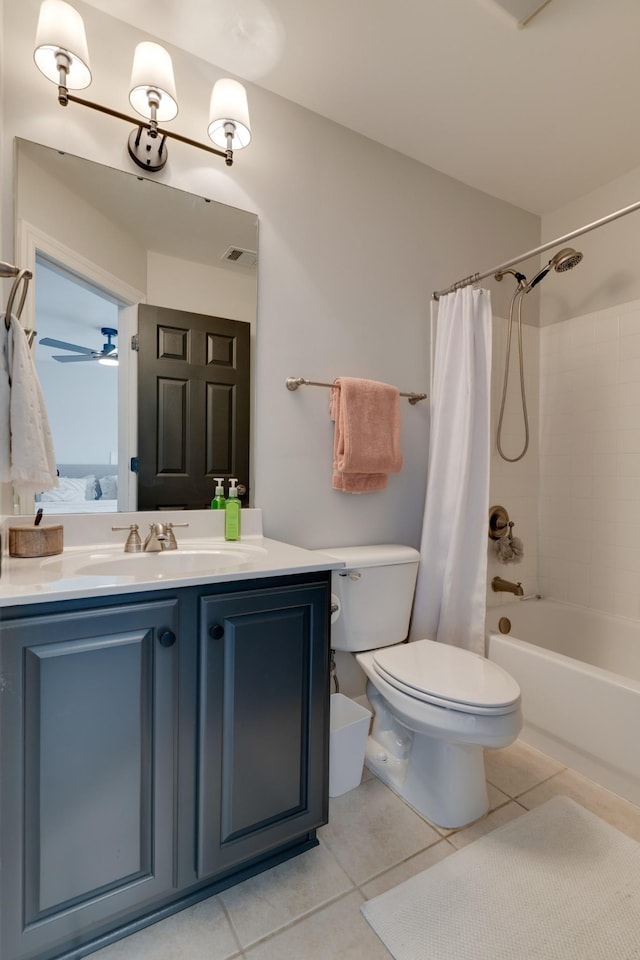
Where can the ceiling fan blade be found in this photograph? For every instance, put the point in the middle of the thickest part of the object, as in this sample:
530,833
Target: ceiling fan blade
62,345
91,355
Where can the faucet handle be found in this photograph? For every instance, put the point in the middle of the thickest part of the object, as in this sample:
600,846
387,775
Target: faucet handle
172,543
133,542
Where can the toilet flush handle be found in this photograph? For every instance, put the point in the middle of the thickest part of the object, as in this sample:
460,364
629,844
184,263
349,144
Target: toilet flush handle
352,574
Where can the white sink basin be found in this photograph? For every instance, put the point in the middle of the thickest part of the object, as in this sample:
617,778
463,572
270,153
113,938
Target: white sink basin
165,564
112,565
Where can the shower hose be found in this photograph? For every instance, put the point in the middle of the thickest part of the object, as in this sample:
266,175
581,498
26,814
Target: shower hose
519,296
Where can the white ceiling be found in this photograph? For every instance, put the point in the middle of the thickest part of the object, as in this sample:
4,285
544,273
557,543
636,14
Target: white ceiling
537,116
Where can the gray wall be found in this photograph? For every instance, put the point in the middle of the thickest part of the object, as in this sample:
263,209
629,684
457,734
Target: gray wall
353,238
609,273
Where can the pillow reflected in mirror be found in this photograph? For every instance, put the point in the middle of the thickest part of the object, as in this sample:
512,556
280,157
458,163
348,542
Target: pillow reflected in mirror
109,487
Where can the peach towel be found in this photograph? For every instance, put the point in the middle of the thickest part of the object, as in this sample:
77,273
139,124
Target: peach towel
366,443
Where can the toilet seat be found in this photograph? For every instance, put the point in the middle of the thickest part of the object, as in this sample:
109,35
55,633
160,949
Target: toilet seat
448,677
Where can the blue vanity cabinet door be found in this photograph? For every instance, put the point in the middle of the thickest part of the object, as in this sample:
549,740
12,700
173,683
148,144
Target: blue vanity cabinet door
262,722
89,718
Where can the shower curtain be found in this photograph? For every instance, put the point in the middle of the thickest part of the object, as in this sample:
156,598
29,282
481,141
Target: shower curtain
450,595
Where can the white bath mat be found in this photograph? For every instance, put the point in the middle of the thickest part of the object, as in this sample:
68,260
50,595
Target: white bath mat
556,884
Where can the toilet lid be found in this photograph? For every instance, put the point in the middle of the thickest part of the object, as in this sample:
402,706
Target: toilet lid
448,676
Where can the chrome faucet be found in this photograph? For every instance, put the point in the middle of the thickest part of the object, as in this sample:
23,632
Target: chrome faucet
161,537
156,540
506,586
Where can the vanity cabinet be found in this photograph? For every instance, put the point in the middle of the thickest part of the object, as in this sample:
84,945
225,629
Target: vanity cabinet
88,727
261,723
155,750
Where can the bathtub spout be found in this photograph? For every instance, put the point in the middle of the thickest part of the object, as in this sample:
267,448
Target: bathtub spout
506,586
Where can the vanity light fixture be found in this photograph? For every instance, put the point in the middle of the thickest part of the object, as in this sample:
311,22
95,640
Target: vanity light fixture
62,55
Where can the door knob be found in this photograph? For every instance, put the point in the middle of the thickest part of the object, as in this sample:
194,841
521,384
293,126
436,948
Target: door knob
216,632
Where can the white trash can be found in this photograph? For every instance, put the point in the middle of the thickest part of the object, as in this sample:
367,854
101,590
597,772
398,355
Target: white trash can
349,729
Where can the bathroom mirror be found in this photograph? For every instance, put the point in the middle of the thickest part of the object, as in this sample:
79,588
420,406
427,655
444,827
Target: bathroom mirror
100,242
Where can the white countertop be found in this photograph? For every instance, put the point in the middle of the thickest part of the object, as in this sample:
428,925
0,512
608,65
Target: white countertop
94,564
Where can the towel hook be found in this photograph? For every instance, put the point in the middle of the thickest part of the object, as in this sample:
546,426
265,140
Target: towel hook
23,277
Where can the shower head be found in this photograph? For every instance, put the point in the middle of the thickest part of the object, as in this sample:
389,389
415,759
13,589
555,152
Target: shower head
566,259
563,260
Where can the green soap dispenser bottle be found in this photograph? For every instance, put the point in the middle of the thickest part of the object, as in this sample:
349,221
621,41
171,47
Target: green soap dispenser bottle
218,502
232,513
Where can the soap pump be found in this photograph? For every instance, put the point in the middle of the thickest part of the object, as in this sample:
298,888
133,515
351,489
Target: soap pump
232,513
218,502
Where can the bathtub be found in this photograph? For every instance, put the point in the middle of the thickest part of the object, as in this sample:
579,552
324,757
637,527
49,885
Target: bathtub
579,672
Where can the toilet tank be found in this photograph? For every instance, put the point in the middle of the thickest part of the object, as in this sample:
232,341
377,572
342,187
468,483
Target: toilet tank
375,593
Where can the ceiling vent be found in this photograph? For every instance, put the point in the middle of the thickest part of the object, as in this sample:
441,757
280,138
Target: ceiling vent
245,258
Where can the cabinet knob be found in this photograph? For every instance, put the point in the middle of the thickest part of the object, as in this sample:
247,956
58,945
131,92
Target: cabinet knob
216,632
167,638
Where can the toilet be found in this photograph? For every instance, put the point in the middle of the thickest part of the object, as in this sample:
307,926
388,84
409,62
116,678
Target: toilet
436,707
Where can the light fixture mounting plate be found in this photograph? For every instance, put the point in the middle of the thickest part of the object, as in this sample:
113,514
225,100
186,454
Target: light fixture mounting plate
147,150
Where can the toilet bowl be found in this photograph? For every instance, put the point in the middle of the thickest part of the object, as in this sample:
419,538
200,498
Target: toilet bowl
436,707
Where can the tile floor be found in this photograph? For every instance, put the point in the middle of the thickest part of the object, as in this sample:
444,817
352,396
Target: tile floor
309,907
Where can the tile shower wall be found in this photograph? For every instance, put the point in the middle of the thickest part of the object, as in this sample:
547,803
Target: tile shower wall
589,527
515,485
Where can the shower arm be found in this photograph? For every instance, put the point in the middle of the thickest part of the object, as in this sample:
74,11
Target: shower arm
503,267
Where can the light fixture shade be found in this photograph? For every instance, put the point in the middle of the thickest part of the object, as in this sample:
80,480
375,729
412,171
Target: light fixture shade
152,69
229,103
61,29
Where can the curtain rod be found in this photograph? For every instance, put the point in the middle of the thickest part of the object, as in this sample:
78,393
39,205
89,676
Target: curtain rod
292,383
475,277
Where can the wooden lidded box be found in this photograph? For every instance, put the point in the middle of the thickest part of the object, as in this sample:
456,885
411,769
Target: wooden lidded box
35,541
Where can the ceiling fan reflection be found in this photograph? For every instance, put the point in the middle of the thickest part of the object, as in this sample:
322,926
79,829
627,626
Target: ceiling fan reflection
108,355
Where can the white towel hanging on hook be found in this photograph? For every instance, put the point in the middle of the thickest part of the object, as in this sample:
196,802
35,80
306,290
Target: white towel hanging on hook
27,457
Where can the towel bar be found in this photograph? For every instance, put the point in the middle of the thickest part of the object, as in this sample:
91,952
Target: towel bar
292,383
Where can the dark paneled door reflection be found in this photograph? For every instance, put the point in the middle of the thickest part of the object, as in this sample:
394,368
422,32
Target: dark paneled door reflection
193,406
